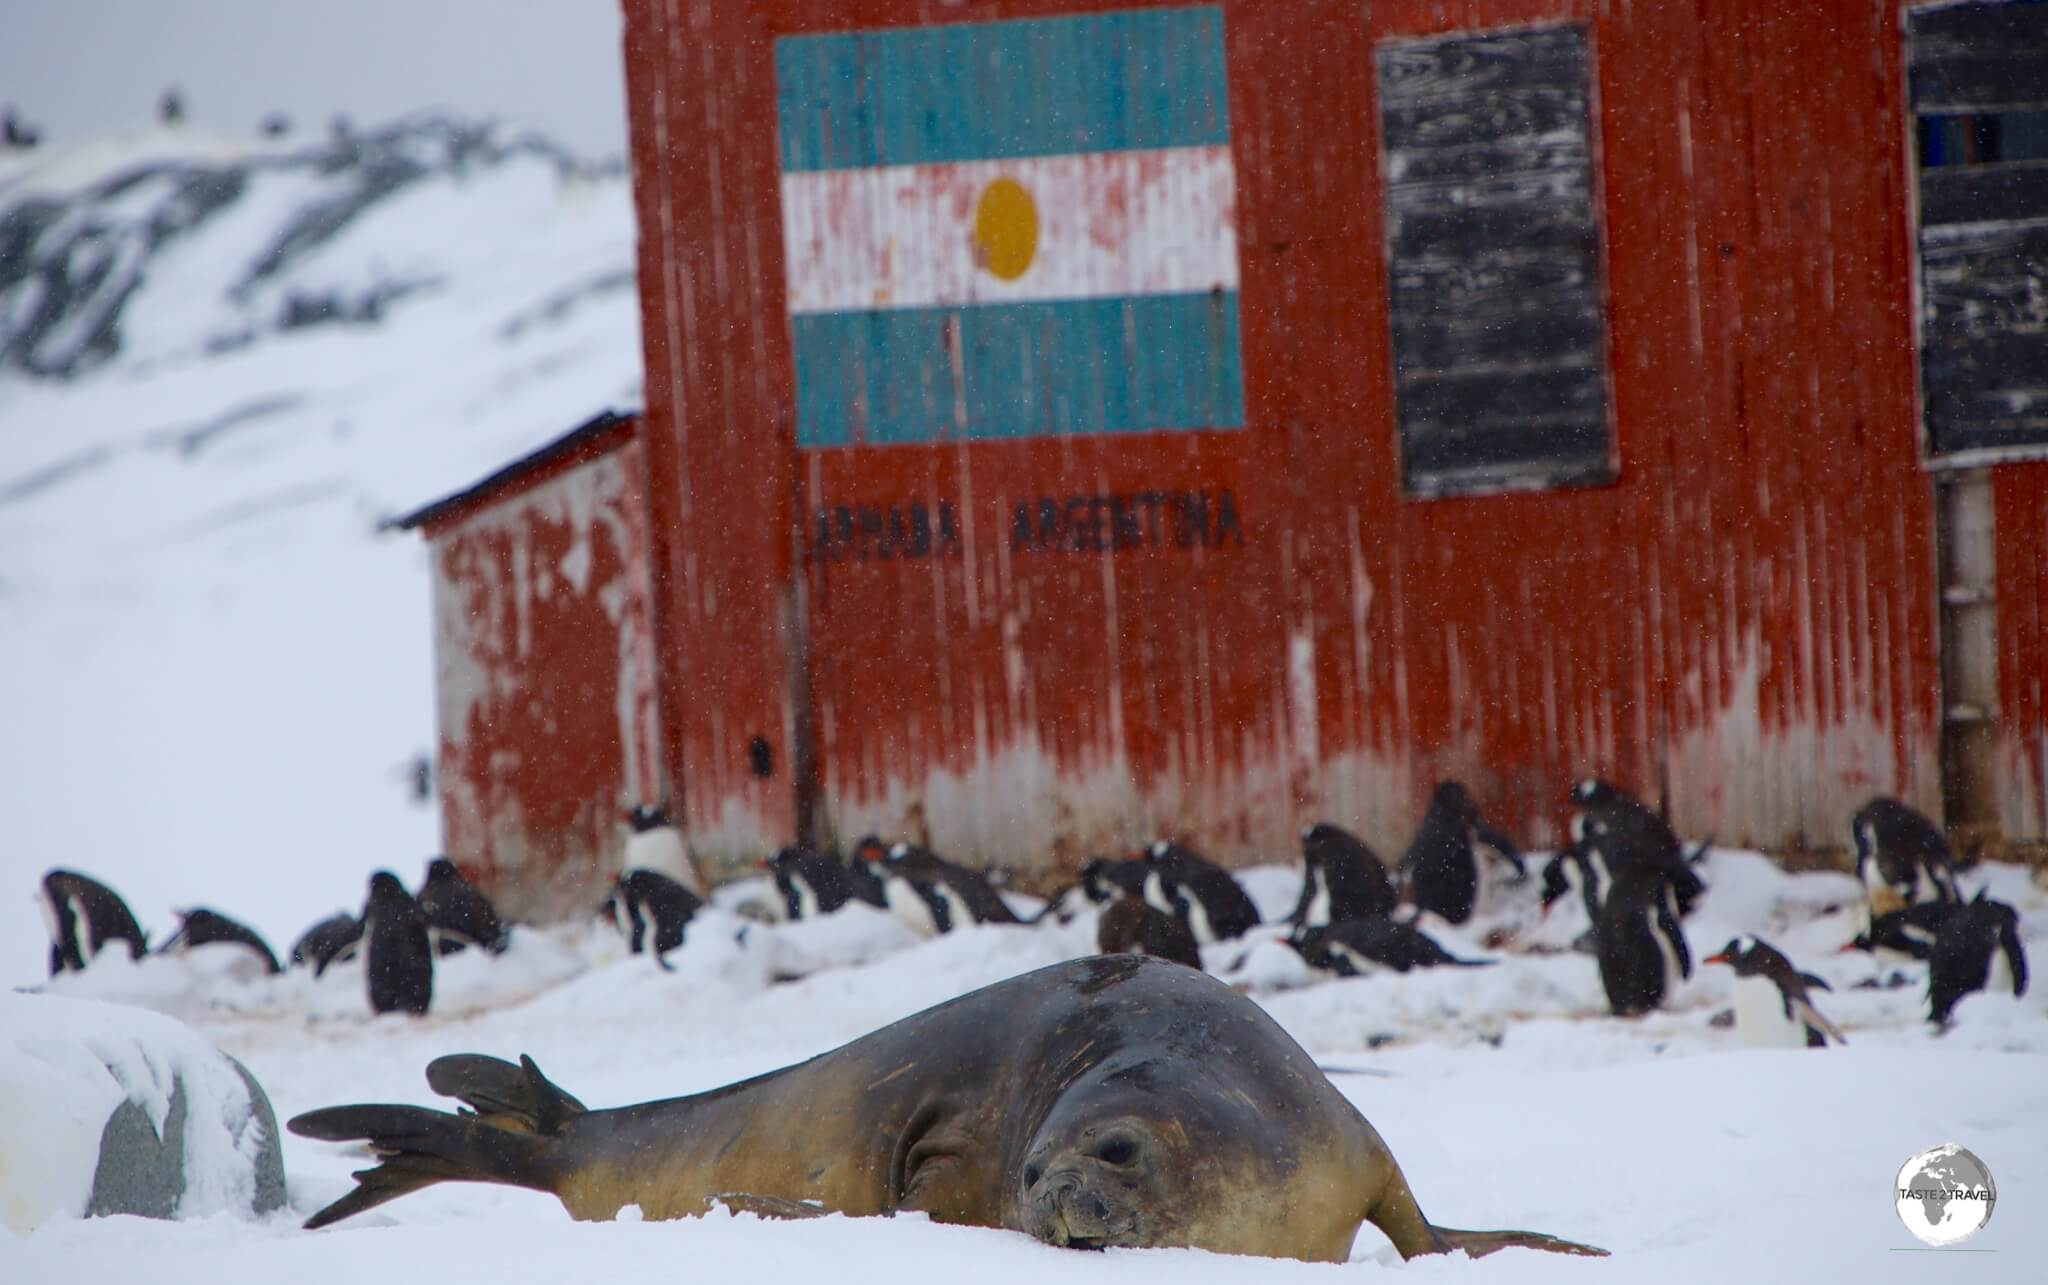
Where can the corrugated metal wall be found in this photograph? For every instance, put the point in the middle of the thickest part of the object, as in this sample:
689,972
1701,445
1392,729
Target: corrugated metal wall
1743,625
544,642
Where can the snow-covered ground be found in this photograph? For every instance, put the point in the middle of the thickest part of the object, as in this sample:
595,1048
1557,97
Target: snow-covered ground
213,667
1508,1094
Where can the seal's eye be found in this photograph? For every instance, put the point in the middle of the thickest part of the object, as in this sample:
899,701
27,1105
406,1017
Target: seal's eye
1117,1151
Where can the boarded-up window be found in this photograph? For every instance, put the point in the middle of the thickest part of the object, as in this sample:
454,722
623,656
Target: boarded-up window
1493,261
1979,83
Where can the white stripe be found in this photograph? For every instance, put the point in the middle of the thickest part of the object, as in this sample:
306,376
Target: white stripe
1110,224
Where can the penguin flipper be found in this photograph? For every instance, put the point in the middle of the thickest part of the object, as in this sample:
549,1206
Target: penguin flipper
2015,955
1817,982
1817,1021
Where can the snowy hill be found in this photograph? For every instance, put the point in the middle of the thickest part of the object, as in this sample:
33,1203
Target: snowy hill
222,363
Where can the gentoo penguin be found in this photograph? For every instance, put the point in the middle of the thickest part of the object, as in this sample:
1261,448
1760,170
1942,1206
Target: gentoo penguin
1129,926
651,909
1901,857
1440,870
1978,949
400,956
83,916
1341,878
1904,934
1773,1000
204,927
1639,942
1615,831
862,879
932,895
1104,879
1101,882
1356,947
656,844
1568,873
331,941
812,885
1213,904
458,914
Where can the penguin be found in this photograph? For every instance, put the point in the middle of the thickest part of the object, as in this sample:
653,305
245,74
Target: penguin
1129,926
1440,870
202,927
1901,857
1104,880
1905,934
1773,1000
1341,878
83,915
458,914
656,844
1357,947
932,895
812,885
1639,943
1214,905
861,880
333,940
1568,873
1615,831
648,898
1977,949
400,955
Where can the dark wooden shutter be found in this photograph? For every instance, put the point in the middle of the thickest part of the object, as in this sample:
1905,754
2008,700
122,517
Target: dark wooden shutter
1493,260
1978,75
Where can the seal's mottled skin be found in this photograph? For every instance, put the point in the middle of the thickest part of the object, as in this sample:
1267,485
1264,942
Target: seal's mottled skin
1106,1101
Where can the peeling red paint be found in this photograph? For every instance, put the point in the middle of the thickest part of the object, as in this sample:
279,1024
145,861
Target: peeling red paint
546,678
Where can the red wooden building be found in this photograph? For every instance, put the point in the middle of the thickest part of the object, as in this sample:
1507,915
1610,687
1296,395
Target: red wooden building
1068,425
545,658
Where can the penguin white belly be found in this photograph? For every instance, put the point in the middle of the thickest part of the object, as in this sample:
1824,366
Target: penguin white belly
1674,972
806,898
1998,981
957,911
908,906
661,850
49,913
1198,922
1155,894
1319,904
1760,1018
1363,965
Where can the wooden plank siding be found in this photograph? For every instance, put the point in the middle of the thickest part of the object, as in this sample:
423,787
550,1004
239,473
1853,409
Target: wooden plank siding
1741,625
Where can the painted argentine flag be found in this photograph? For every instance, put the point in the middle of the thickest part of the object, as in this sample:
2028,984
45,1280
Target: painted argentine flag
1010,229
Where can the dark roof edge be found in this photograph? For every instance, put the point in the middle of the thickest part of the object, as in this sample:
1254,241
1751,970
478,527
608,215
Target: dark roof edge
569,443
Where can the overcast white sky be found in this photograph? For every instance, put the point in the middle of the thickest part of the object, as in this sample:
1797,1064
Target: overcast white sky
83,67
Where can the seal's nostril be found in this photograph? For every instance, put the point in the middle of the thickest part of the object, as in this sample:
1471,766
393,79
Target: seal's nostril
1030,1176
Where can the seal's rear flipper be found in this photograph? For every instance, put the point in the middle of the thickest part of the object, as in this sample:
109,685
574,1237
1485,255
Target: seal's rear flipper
511,1097
420,1147
1481,1243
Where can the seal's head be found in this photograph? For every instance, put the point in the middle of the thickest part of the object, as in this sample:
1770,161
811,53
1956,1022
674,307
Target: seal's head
1094,1182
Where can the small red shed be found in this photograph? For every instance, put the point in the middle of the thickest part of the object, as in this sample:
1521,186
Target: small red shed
545,658
1068,424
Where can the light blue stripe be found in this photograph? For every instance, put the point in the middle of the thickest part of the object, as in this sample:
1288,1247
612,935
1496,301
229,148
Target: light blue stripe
1089,366
1105,82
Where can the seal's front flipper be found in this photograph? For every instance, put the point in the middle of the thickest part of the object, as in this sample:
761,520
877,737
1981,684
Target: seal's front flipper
1481,1243
746,1202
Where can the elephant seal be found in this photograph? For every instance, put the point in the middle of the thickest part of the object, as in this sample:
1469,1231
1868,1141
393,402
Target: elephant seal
1112,1100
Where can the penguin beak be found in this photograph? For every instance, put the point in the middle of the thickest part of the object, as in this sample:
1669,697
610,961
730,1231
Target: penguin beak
760,863
1721,958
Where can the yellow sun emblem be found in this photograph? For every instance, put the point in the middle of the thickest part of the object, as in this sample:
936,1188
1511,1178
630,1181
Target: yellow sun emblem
1005,229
